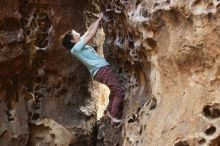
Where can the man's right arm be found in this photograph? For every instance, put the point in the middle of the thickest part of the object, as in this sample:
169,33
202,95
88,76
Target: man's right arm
93,30
90,27
87,32
90,34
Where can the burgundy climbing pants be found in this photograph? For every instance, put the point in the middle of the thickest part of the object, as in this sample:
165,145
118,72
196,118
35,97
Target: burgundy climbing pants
105,75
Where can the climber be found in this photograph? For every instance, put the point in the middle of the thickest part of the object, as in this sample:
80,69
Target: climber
98,67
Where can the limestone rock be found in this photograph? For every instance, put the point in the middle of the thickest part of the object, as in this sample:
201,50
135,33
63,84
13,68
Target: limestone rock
167,56
42,86
165,53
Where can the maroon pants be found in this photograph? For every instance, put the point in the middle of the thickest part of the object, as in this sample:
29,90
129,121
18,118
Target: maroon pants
106,76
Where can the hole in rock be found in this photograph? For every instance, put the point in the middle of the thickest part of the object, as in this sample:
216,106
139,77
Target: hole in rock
41,43
38,106
215,141
132,119
218,5
33,106
38,100
120,70
196,2
11,112
211,130
38,79
10,116
52,135
151,42
10,119
209,15
138,109
168,1
202,140
212,111
131,44
44,19
145,13
38,95
181,143
156,4
37,87
153,103
35,116
138,2
27,32
140,131
127,138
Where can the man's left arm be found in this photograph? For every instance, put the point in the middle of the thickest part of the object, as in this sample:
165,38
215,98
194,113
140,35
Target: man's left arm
93,30
87,32
90,27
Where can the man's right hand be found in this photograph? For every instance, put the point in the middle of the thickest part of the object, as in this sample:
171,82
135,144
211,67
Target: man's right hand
94,27
100,15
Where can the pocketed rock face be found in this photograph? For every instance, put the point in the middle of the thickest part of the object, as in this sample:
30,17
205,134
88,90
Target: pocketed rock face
165,52
167,56
45,93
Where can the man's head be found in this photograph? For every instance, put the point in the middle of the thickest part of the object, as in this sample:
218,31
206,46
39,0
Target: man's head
70,38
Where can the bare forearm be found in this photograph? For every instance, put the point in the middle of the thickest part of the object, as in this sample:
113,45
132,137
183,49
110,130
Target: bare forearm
94,27
90,27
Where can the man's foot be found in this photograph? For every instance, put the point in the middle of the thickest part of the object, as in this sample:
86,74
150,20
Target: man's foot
114,120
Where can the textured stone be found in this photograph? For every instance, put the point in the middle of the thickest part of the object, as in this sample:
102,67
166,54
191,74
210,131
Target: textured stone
42,86
165,53
167,56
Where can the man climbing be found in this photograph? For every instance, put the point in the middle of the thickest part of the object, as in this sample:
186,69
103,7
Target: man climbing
98,67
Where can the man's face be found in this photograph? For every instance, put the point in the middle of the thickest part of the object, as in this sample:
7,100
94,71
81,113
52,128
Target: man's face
76,36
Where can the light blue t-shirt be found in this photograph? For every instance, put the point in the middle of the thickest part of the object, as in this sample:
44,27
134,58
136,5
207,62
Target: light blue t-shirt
88,56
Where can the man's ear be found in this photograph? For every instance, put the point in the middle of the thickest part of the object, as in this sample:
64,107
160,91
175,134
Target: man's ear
72,41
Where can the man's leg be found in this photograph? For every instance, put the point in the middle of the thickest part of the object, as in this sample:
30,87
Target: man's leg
106,76
109,108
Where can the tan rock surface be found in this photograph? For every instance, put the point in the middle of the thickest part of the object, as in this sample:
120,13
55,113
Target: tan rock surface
168,52
44,91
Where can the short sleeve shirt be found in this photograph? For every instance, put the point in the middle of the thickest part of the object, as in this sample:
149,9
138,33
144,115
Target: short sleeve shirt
88,56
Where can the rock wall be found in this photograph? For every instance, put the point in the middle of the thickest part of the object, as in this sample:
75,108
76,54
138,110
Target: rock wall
45,92
166,54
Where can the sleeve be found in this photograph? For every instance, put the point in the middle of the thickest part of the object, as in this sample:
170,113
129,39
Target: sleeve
78,46
82,37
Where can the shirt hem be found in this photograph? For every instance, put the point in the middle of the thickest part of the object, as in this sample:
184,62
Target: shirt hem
95,72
